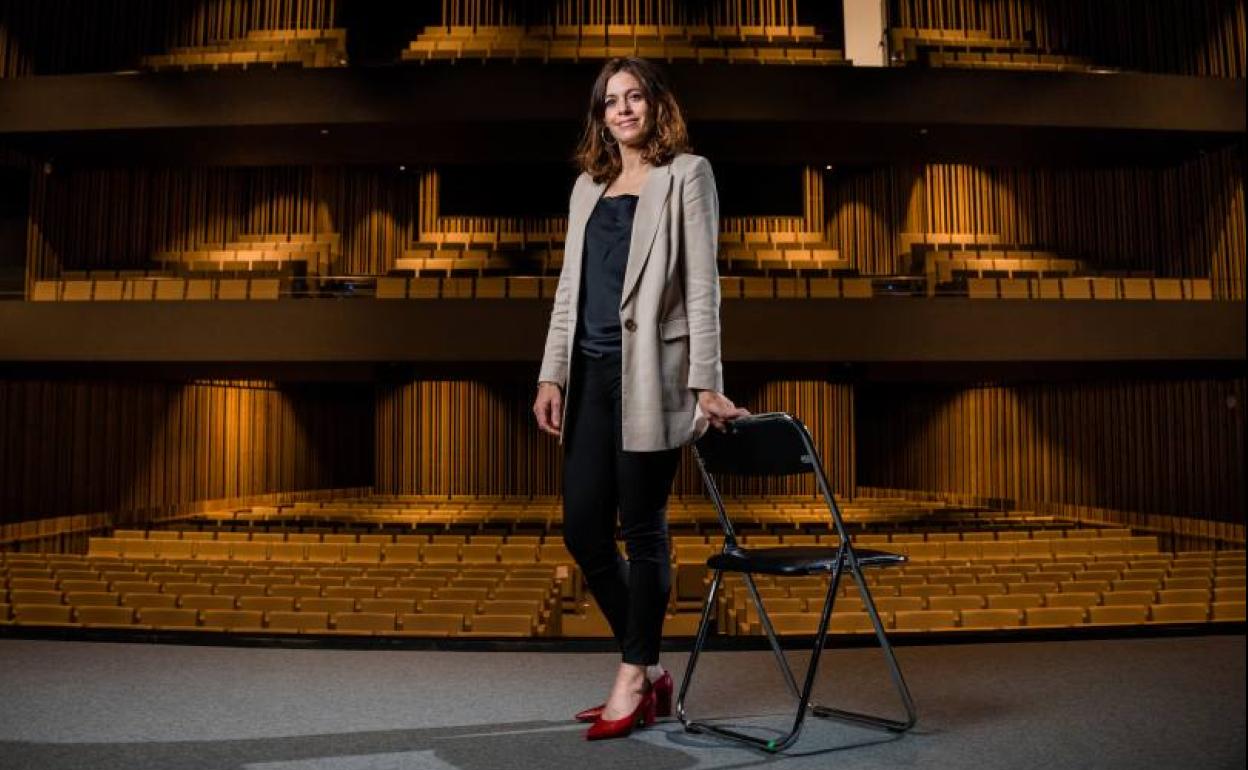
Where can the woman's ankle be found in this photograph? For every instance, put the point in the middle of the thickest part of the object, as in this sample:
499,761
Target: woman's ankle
654,672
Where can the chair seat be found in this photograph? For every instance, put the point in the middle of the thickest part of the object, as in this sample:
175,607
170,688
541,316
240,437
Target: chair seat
794,559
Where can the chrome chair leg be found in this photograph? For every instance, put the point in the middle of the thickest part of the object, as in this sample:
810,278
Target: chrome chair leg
703,626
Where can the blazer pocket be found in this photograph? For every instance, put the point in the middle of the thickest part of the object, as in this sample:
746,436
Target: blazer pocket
675,364
673,328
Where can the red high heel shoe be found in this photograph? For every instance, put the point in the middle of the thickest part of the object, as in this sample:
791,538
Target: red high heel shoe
618,728
662,687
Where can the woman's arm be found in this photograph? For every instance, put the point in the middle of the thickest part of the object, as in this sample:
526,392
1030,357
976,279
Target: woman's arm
700,206
701,224
555,358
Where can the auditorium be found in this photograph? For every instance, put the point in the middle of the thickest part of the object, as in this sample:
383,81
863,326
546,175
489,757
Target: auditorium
683,384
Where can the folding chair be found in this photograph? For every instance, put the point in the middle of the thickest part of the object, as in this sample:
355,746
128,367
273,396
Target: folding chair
776,444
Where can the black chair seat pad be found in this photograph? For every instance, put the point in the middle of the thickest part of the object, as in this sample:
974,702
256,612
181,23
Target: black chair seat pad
794,559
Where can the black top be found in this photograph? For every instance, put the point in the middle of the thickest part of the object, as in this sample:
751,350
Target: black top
608,234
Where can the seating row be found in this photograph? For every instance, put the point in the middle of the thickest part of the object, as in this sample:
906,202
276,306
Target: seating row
554,550
1014,60
745,621
944,267
556,50
756,257
539,237
289,597
606,33
793,538
543,287
278,621
392,553
926,621
1133,572
304,47
1091,288
148,289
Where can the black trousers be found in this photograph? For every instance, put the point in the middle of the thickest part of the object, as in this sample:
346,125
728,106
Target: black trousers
599,479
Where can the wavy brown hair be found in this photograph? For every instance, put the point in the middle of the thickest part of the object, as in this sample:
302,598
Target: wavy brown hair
665,137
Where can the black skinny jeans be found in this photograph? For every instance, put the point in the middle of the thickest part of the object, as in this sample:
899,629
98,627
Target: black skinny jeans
600,478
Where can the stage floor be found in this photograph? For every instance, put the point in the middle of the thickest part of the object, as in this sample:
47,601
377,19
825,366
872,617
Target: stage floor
1122,703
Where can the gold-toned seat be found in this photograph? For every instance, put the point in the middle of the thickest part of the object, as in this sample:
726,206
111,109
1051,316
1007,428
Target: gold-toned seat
430,624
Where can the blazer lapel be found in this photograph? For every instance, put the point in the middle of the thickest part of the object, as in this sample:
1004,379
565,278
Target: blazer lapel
650,203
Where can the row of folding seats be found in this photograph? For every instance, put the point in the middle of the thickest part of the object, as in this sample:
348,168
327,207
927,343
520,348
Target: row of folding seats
974,550
480,261
1015,60
1091,288
312,261
276,621
326,537
300,597
915,44
781,33
157,289
307,48
452,50
273,590
1134,574
556,565
737,614
947,267
183,578
390,553
953,240
38,565
927,621
457,242
485,287
1095,575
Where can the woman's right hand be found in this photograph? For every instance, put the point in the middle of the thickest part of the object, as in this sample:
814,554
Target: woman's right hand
548,407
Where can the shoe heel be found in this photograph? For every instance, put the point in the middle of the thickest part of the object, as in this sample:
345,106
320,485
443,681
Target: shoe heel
647,711
663,696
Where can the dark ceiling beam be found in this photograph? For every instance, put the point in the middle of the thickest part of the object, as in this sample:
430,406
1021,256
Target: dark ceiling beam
913,330
530,111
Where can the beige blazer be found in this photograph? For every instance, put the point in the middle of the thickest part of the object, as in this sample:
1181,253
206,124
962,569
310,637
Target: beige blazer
669,305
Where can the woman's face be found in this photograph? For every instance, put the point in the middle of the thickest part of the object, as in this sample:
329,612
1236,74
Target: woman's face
626,112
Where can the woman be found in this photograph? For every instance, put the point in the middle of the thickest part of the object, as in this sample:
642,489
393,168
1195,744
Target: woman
634,345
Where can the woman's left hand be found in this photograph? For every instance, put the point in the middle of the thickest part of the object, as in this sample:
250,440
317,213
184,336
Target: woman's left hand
719,409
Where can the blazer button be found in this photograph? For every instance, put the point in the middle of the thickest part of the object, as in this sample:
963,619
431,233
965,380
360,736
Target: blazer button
630,325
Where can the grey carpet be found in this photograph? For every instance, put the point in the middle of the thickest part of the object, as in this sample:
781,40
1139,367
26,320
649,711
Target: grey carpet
1135,703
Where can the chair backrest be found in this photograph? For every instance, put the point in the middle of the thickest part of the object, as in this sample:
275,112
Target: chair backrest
766,444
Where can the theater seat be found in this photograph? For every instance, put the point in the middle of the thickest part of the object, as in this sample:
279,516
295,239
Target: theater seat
1179,613
207,602
364,622
926,620
500,625
298,622
234,620
1230,610
991,619
430,624
91,616
42,614
168,617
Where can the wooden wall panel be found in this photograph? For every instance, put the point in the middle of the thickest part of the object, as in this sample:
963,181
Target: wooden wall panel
1177,36
62,36
443,436
1182,221
1170,450
722,12
109,217
143,450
